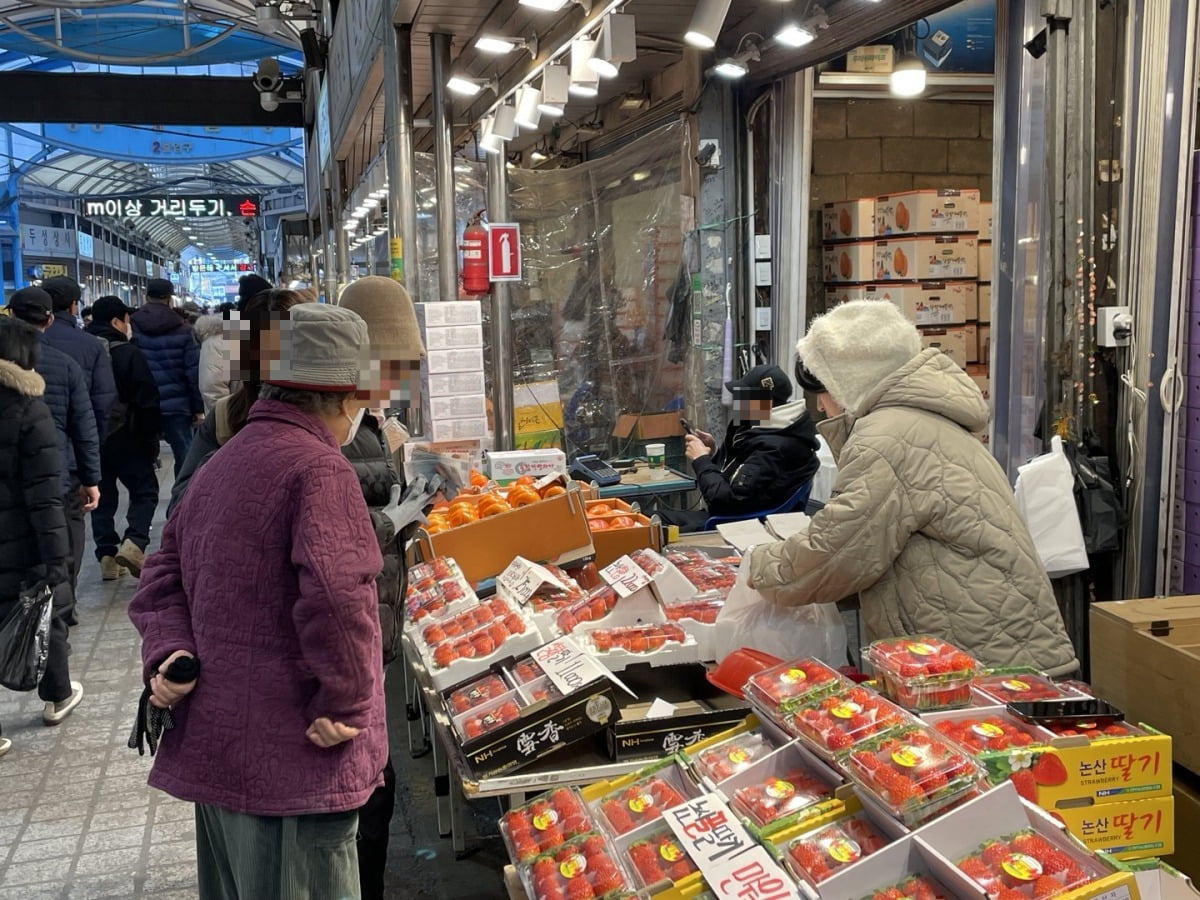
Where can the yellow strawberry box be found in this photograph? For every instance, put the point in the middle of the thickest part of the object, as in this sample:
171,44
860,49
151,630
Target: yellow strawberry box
1126,829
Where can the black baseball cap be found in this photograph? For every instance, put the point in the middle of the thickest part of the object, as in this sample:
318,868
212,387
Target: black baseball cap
108,308
160,288
765,378
62,290
32,305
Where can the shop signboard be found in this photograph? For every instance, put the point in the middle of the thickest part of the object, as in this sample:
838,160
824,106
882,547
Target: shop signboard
53,271
86,244
42,240
504,251
180,206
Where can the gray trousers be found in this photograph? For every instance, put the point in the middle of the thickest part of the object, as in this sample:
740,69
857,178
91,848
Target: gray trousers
243,857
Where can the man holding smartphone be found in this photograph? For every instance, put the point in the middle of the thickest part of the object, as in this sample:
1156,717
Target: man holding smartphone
769,451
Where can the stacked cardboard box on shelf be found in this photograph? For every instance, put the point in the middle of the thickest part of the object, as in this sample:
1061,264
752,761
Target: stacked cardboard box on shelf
928,252
454,401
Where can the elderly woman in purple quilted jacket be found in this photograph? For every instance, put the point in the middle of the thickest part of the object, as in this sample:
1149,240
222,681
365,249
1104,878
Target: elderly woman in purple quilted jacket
266,575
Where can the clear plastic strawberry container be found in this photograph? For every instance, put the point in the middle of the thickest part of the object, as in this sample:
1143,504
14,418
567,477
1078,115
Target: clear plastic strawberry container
923,673
730,757
836,723
636,638
584,867
436,588
1099,732
478,692
525,670
789,685
544,823
592,608
1019,687
489,716
482,641
704,607
642,801
702,571
539,689
914,772
1025,864
982,733
918,887
550,597
780,794
657,856
824,851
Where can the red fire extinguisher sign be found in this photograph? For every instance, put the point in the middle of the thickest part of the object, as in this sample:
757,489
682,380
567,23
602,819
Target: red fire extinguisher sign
504,251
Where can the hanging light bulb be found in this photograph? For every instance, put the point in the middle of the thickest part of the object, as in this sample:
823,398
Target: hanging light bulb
907,78
617,44
584,82
529,101
706,24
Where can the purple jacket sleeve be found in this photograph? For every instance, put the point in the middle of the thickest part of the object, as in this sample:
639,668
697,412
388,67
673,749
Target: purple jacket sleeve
337,559
159,609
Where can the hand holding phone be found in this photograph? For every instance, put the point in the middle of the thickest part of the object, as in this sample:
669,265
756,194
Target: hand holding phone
687,426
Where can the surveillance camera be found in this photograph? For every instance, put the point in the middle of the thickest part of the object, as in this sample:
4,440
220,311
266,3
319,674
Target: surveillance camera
269,100
268,78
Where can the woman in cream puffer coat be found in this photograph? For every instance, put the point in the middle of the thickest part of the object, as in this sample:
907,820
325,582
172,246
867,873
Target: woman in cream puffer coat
214,359
921,523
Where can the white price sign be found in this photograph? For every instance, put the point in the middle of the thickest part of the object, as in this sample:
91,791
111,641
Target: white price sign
570,667
625,576
521,580
735,866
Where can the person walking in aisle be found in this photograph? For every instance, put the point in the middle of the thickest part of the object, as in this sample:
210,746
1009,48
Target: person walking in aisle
173,354
34,544
128,453
214,356
66,335
266,576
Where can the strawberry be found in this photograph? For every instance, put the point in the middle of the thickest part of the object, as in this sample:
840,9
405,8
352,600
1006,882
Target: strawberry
995,853
1047,886
1025,784
975,868
1049,771
1055,862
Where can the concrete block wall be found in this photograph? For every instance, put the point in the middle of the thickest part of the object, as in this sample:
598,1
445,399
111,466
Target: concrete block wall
863,148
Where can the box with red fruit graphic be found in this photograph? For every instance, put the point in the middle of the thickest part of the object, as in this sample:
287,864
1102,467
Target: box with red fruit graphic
914,772
580,869
696,710
997,687
1124,829
544,823
840,721
783,789
623,804
922,672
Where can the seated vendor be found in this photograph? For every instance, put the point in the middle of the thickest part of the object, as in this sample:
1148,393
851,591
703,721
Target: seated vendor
769,451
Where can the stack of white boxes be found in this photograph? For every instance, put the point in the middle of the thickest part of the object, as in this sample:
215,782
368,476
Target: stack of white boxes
453,395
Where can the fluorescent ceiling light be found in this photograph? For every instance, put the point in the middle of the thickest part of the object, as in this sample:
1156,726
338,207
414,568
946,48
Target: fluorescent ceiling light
617,44
468,87
907,78
793,35
529,100
490,44
556,82
731,68
641,175
547,5
706,24
584,82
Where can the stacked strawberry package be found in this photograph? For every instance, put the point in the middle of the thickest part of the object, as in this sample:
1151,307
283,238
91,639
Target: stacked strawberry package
592,608
489,716
781,689
636,638
526,670
1094,731
659,856
835,724
479,643
1020,687
919,887
539,689
544,823
550,597
773,797
923,673
821,853
1024,865
730,757
435,587
914,772
985,733
580,869
478,692
642,801
702,571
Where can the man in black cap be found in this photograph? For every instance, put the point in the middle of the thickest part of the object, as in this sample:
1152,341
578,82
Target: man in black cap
769,451
129,451
64,334
173,354
250,285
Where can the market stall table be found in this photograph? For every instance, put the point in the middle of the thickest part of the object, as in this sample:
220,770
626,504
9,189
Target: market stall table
639,483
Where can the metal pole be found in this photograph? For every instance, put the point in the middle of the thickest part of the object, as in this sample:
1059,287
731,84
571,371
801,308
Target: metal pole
341,239
502,373
443,154
402,194
326,244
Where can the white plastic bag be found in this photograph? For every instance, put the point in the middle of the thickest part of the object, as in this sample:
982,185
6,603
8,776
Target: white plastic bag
790,632
1045,495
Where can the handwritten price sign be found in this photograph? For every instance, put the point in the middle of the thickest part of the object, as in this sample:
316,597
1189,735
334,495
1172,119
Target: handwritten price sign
625,576
521,580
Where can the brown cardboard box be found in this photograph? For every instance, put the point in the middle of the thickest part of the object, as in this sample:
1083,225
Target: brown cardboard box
1186,857
654,425
951,341
928,212
1145,661
928,303
879,58
835,295
985,303
985,261
942,258
984,335
842,263
985,220
848,220
979,375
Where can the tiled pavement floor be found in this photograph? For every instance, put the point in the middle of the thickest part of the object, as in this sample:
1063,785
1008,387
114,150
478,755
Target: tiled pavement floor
78,821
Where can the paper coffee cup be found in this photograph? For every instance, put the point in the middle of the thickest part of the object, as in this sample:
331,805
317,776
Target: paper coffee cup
656,458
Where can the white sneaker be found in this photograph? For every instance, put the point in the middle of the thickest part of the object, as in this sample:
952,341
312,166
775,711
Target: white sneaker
56,712
5,745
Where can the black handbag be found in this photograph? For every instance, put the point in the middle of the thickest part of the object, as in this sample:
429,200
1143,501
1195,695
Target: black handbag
25,639
1101,514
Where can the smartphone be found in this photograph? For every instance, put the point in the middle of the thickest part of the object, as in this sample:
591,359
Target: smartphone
1067,713
687,426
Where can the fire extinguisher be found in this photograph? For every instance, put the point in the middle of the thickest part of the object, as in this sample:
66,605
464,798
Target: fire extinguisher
475,257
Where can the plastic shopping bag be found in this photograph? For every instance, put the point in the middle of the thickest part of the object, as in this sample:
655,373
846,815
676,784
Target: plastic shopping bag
748,619
1045,495
25,640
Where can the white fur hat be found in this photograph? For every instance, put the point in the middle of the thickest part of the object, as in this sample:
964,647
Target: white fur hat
853,347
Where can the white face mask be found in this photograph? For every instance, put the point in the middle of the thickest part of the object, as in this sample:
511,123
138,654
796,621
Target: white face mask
355,421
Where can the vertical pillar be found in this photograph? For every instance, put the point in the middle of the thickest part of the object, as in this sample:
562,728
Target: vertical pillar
340,238
402,192
502,371
328,222
443,152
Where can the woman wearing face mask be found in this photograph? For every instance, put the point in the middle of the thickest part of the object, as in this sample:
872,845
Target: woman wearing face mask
266,576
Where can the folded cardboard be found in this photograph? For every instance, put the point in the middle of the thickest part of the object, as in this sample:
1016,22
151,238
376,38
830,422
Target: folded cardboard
929,303
653,425
848,220
702,710
613,543
836,294
848,262
925,258
927,212
985,220
1146,661
979,375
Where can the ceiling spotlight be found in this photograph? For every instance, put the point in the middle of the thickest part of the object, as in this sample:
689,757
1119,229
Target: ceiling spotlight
267,18
706,23
584,82
617,44
737,66
500,45
467,86
538,155
489,142
793,35
556,84
529,101
504,125
907,78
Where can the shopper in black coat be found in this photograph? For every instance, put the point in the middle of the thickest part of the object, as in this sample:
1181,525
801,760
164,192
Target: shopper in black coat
129,451
65,335
34,547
